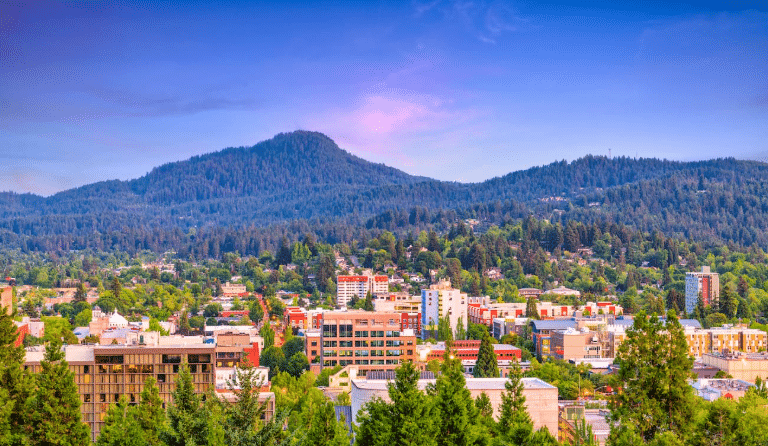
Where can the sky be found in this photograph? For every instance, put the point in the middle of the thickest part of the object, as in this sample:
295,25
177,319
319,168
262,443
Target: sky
454,90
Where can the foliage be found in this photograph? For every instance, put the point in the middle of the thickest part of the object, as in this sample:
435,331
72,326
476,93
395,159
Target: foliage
653,369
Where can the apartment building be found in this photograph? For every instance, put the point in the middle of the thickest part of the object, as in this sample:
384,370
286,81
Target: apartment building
105,373
348,287
369,340
575,344
439,301
725,339
704,285
397,302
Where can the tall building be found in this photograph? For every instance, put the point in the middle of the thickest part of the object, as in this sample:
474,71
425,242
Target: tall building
704,285
439,301
369,340
350,286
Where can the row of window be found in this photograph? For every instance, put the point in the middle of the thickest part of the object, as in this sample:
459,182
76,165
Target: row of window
343,353
343,362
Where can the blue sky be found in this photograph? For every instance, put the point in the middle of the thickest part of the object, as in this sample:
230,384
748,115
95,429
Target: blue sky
454,90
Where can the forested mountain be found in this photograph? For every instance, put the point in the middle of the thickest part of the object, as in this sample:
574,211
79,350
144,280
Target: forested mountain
303,182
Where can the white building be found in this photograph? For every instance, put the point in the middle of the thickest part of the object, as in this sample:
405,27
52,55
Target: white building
439,301
350,286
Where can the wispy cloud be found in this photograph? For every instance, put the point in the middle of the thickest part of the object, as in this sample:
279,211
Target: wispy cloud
486,21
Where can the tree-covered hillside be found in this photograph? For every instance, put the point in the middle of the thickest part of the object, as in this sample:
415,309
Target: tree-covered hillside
303,179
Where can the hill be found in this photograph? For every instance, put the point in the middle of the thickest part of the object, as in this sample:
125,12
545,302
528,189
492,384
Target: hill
304,182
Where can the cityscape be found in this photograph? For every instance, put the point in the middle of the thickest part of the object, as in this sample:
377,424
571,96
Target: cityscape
430,223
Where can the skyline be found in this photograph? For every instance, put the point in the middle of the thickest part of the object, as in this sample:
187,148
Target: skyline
449,90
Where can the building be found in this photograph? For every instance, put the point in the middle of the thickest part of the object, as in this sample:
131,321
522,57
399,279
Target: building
295,318
6,300
712,389
541,333
369,340
466,351
397,302
704,285
233,289
562,291
350,286
540,397
105,373
742,366
574,344
724,340
439,301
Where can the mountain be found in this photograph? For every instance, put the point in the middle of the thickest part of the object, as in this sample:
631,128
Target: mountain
304,182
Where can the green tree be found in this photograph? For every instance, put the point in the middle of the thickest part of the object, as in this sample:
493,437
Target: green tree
150,413
255,311
81,294
514,424
55,405
530,308
274,358
455,406
185,425
653,368
121,427
409,419
268,334
486,365
15,385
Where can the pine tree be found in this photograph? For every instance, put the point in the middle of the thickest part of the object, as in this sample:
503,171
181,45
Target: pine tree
150,413
409,419
455,406
15,384
486,365
514,423
185,425
368,301
55,405
121,426
81,294
530,308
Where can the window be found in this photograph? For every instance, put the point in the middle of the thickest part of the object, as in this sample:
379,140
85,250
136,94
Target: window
86,369
197,359
330,331
361,334
329,343
87,398
171,359
161,378
114,359
103,397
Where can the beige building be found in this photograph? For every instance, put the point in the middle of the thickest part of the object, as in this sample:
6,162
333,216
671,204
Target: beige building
6,300
575,344
540,397
742,366
105,373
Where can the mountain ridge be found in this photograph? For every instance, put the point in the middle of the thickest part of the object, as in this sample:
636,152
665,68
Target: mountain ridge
305,176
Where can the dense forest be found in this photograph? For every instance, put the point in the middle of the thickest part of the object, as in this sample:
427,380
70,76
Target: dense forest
247,198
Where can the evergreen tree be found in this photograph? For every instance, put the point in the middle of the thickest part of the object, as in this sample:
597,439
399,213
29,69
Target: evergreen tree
486,365
81,294
186,426
15,384
514,424
455,406
409,419
530,308
121,426
368,302
55,405
150,413
653,370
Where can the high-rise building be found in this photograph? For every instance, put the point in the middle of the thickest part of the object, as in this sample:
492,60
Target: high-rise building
441,301
350,286
704,285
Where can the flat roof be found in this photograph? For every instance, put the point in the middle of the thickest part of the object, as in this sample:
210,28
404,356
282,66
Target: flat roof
472,383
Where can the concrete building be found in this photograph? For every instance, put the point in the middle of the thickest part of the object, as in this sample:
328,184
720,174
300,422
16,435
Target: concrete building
704,285
233,289
369,340
540,397
575,344
439,301
350,286
742,366
397,302
105,373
